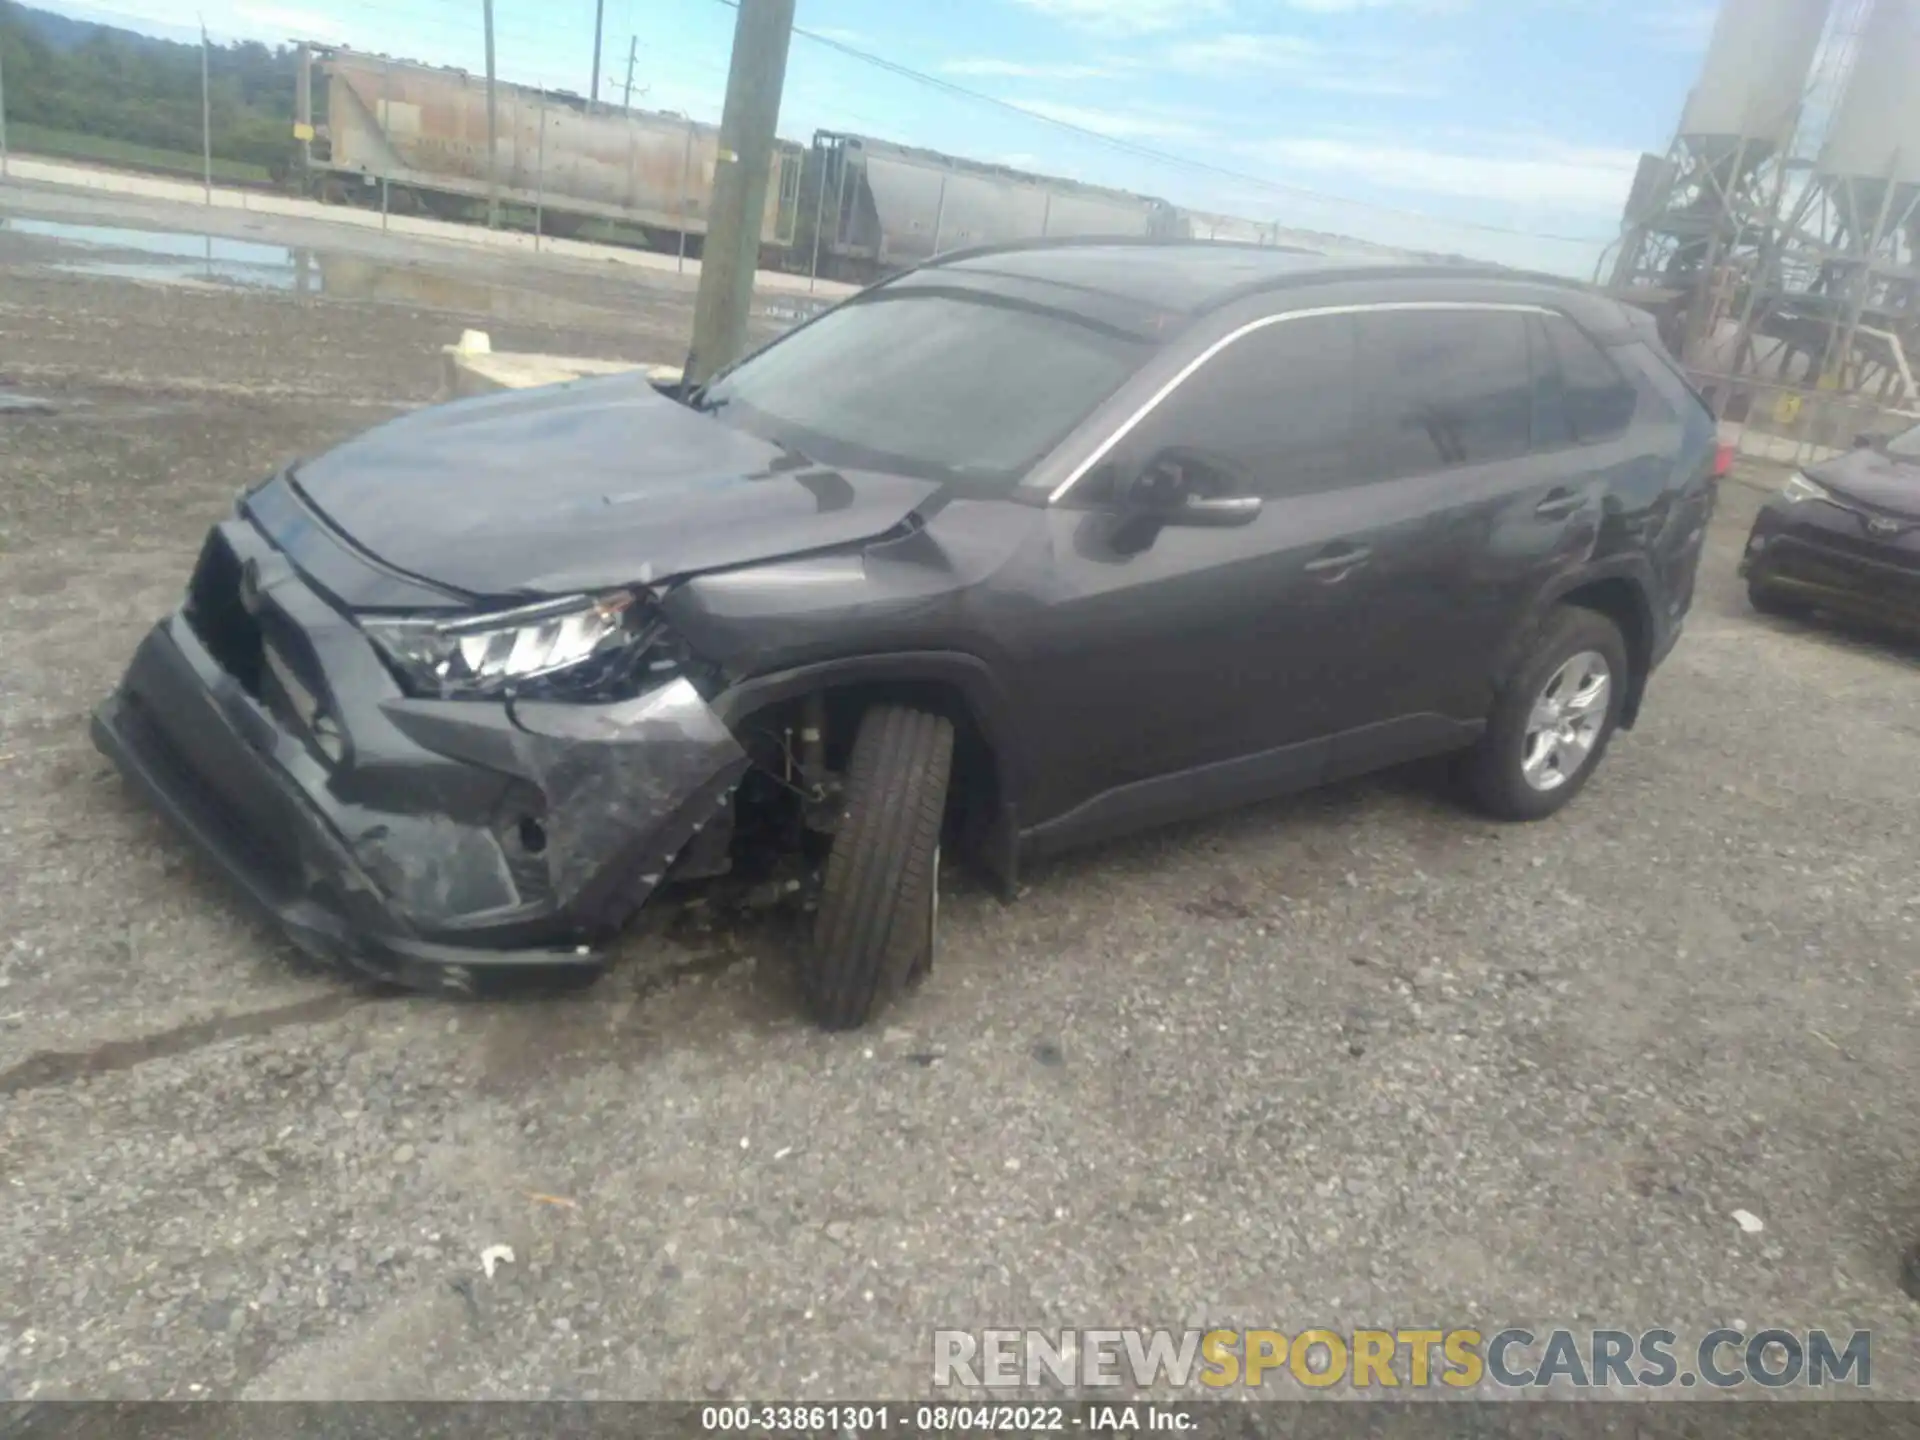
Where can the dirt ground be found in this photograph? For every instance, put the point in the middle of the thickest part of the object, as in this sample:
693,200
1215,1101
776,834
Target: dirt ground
1358,1058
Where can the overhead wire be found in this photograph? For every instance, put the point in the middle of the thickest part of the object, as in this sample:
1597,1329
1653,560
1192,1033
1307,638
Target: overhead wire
1162,157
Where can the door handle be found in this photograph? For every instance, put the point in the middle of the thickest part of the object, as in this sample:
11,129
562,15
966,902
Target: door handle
1336,561
1558,505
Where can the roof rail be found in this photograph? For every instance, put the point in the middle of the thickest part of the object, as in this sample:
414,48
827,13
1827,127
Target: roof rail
1138,242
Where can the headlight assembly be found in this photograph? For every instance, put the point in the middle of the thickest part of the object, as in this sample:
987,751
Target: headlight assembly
1799,489
582,643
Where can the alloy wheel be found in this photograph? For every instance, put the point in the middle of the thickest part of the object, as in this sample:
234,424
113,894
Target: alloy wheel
1566,720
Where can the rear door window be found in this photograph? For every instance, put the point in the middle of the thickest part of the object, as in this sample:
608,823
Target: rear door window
1600,400
1450,388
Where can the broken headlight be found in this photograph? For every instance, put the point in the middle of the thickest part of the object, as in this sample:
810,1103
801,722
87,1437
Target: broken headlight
580,645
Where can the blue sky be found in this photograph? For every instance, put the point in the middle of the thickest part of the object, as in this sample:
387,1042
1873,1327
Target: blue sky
1440,124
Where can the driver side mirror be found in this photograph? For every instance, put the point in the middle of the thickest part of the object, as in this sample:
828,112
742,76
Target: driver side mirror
1178,487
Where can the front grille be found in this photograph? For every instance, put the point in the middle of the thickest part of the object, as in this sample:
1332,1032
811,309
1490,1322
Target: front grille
217,617
264,651
293,690
1854,536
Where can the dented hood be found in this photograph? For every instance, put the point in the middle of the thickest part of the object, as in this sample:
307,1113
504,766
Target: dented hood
591,484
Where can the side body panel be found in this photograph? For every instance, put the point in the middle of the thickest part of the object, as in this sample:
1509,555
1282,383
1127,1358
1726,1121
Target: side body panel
1134,684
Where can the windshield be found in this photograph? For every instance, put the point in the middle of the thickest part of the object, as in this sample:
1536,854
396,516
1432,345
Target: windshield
1906,444
958,389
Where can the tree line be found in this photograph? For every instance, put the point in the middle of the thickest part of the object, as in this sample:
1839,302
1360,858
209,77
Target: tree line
97,80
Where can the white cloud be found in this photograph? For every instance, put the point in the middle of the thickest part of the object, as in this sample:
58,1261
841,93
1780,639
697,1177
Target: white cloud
1307,64
1121,124
1134,17
1532,173
1031,69
1233,51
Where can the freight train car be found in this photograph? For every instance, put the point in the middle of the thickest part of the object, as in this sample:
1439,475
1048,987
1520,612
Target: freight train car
877,207
422,130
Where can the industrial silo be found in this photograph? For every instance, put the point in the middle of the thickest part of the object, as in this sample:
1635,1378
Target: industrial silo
1874,136
1690,218
1867,219
1753,77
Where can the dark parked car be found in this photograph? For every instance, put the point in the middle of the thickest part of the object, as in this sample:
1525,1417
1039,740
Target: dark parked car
1025,548
1843,536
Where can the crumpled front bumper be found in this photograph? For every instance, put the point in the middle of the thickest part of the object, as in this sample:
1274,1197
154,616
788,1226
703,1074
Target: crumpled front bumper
459,846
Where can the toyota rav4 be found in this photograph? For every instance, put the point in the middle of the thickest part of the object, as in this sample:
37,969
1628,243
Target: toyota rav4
1027,547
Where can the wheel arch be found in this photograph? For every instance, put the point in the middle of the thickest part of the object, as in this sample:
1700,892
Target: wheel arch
989,771
1622,595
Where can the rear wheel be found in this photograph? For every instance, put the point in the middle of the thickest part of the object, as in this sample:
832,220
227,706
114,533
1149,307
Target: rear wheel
874,930
1554,718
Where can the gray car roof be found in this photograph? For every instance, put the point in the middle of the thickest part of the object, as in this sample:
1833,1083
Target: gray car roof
1191,277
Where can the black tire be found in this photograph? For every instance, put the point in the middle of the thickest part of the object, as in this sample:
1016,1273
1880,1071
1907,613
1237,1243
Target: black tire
1494,773
1769,601
874,929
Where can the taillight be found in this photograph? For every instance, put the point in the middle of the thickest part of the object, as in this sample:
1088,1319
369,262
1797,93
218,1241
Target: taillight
1722,461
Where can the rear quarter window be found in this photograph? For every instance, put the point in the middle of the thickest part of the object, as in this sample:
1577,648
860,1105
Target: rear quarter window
1599,400
1446,388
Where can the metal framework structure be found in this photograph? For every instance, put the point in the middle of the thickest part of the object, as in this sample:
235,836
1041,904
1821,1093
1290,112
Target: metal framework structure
1840,292
1779,237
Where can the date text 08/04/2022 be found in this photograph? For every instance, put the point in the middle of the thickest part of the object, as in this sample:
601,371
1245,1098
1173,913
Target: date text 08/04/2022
929,1418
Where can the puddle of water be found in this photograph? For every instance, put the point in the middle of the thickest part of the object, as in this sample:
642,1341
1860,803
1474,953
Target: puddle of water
158,242
181,258
175,257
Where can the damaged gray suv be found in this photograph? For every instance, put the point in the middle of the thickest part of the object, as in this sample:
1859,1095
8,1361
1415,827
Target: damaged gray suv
1025,548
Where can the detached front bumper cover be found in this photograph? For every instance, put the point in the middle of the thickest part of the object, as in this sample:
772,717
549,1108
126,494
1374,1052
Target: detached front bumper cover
360,865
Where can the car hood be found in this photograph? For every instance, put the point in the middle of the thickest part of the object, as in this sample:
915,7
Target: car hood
1874,479
591,484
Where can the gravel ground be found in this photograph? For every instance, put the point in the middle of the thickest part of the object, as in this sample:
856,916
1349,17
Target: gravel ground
1357,1058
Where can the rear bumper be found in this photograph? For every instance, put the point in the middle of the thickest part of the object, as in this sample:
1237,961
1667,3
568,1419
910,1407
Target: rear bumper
410,858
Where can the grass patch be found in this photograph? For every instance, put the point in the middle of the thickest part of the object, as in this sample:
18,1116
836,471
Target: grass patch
72,145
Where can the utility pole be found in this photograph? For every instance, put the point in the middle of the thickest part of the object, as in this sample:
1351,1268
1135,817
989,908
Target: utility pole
3,103
633,50
493,133
730,255
206,114
599,24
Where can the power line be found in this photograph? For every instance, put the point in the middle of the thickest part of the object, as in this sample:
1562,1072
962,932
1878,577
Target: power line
1147,152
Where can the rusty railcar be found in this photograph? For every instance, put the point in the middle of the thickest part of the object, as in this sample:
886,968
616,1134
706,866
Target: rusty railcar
422,130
